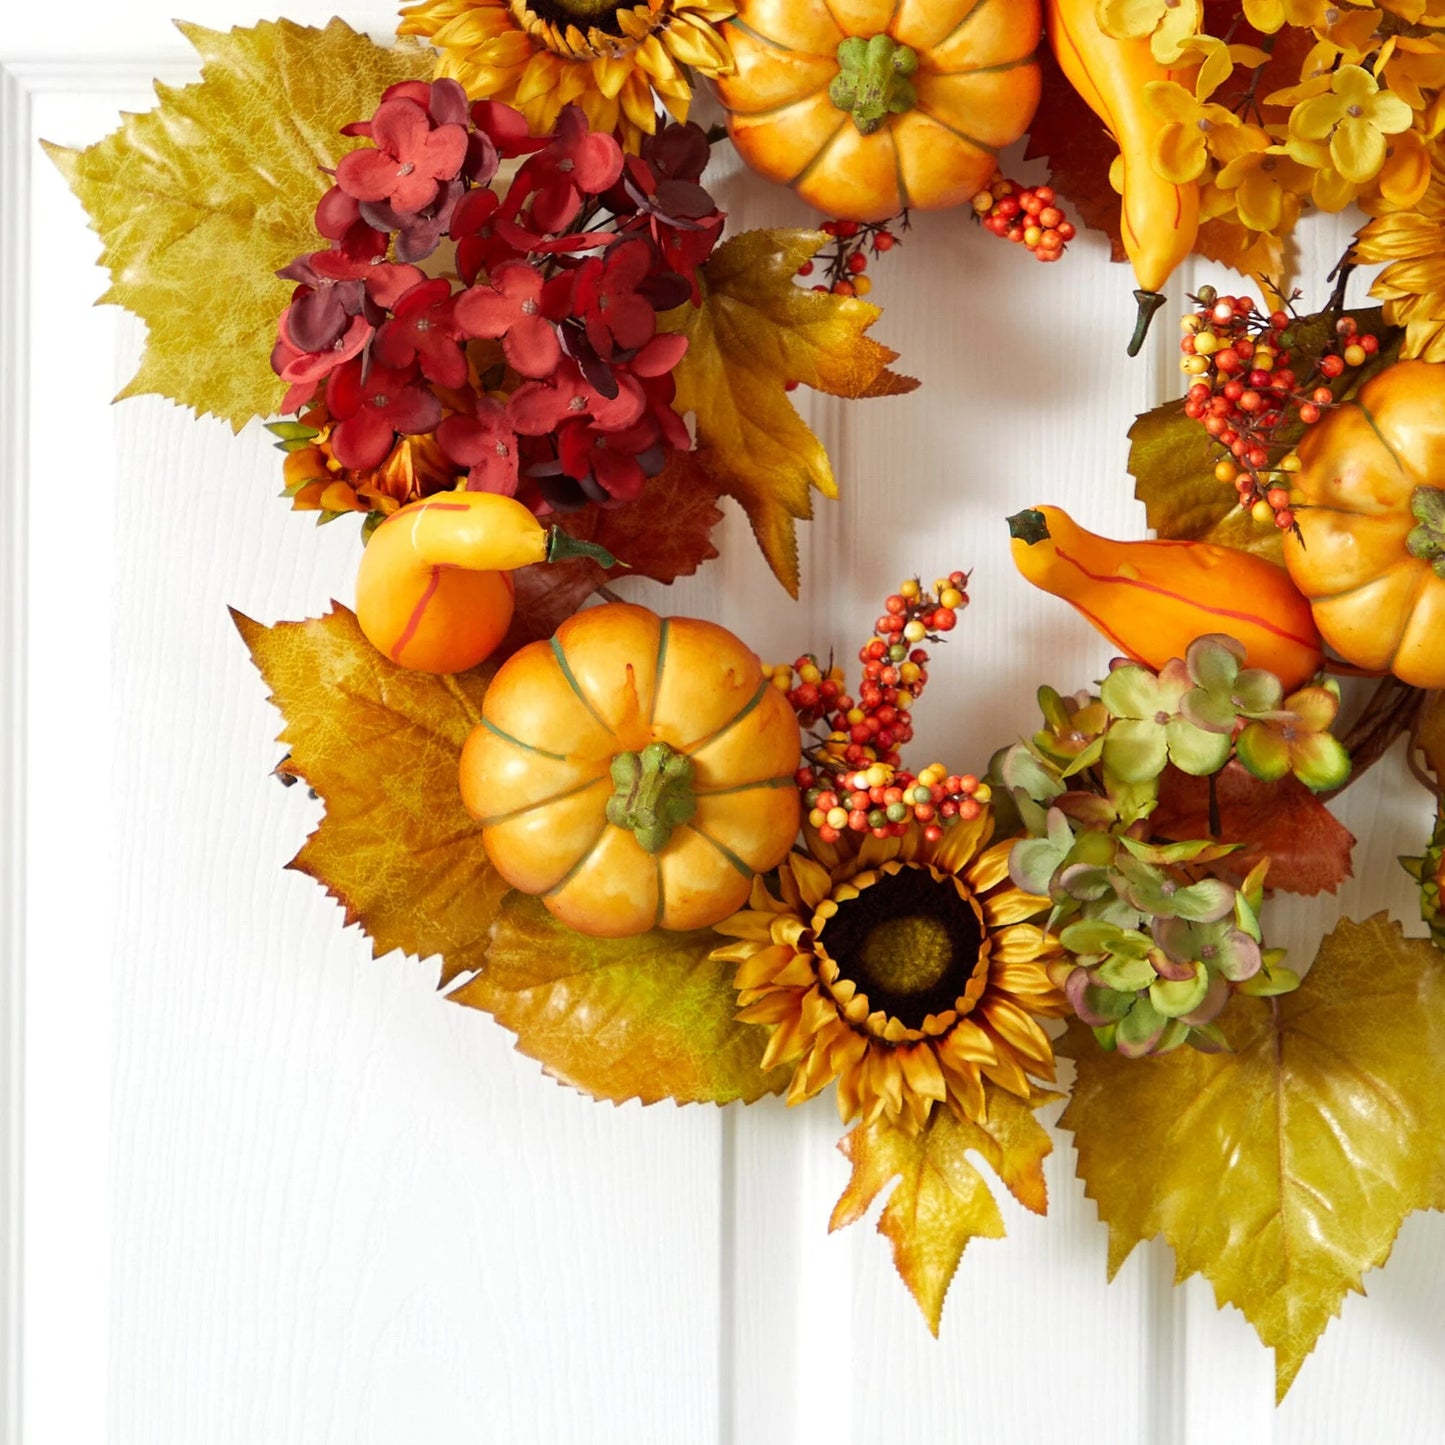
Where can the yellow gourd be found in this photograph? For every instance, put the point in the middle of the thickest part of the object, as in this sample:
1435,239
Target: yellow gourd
432,592
1159,220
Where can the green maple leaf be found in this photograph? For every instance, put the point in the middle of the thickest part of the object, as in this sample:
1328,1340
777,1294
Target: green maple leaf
202,200
1283,1170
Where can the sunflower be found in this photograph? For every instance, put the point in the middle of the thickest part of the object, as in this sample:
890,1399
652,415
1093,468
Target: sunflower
908,971
1412,285
608,56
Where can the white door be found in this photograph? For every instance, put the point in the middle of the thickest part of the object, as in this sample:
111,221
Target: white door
277,1191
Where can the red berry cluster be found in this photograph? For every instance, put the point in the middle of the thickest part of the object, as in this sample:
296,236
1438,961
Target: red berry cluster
538,366
852,779
845,262
1244,390
1029,216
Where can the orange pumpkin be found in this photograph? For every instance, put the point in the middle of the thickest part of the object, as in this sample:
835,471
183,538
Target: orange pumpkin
1370,502
635,771
869,107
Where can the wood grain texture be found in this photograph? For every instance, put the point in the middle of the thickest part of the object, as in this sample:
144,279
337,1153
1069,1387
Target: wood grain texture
337,1209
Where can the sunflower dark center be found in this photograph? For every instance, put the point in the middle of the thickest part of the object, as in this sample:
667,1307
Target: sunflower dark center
585,14
909,941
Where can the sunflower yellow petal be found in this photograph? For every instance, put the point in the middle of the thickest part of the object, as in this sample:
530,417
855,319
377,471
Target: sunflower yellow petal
967,1043
765,966
814,884
965,1092
921,1070
1017,1029
960,843
1022,943
992,868
697,44
1012,905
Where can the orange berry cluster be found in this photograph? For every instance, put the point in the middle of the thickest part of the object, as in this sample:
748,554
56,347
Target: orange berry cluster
1029,216
853,778
1244,390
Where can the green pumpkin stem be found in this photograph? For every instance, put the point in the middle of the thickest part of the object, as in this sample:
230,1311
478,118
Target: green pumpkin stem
872,81
653,794
1427,541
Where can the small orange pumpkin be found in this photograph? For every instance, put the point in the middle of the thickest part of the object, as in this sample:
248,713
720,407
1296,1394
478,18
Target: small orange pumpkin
635,771
1370,503
870,107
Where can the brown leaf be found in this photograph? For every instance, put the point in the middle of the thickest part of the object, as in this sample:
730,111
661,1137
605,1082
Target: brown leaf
942,1201
200,201
1283,1170
650,1017
1308,847
664,535
380,744
755,331
1079,150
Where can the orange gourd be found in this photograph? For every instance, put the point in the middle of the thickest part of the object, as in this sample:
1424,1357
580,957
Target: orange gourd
870,107
1370,503
635,771
1152,599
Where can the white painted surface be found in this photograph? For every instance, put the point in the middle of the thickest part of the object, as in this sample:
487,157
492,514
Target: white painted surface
279,1192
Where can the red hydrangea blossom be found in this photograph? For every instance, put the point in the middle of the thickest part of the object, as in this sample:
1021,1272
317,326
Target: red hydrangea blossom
604,295
370,406
410,159
486,442
567,266
511,307
421,329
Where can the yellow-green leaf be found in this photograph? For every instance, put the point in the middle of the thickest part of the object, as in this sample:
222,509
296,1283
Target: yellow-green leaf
380,744
200,201
1280,1171
1172,459
650,1017
942,1201
755,331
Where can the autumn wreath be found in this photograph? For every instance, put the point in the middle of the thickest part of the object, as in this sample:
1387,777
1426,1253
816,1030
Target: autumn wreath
483,295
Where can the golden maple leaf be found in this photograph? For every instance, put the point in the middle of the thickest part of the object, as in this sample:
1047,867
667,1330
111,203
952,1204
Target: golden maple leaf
380,744
942,1201
200,201
1283,1170
755,331
649,1017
